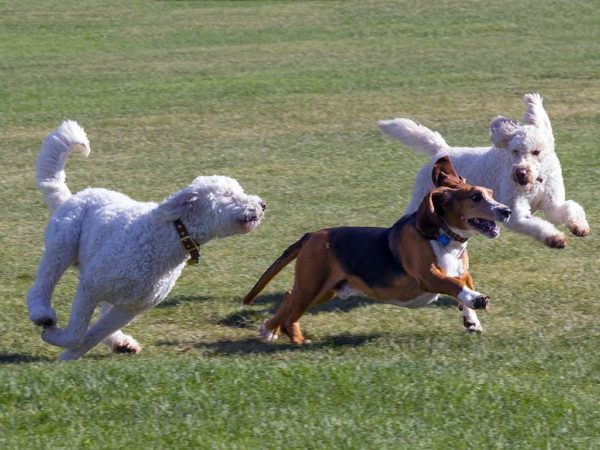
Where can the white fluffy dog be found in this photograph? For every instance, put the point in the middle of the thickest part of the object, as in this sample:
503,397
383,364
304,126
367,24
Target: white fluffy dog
129,253
521,167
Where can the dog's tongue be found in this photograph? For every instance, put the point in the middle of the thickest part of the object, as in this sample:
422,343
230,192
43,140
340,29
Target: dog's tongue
487,227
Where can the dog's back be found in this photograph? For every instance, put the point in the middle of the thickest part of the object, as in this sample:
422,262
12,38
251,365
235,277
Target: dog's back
479,165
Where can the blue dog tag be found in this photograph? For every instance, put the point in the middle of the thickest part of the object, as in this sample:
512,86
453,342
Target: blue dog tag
443,239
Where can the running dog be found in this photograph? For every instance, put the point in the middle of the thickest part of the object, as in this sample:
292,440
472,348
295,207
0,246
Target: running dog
129,254
422,255
522,168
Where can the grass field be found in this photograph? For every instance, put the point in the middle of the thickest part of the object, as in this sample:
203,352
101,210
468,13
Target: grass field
284,96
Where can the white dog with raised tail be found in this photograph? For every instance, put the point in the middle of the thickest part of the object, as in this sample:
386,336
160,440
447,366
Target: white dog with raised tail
521,168
129,253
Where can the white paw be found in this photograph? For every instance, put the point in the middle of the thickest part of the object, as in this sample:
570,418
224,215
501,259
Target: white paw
267,334
125,344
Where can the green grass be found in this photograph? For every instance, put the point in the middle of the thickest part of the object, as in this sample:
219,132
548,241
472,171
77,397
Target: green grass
284,96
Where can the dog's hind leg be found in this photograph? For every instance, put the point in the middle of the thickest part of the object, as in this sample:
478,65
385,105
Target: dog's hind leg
61,251
108,324
81,313
291,323
118,341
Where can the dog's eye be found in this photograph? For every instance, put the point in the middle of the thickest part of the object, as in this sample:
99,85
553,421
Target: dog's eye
535,152
515,152
477,197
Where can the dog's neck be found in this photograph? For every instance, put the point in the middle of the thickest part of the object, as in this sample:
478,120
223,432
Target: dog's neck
446,234
188,242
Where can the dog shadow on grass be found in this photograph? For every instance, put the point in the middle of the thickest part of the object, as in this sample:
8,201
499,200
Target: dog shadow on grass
249,316
256,346
17,358
176,301
267,304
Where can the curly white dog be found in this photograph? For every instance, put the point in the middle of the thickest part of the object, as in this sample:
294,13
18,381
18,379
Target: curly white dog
522,169
129,254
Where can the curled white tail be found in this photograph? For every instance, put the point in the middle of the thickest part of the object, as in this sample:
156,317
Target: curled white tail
50,164
415,136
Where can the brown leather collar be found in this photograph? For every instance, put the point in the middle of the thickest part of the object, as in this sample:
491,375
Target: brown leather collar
188,242
446,229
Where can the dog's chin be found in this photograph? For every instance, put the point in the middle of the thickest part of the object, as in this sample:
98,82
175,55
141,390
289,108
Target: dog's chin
249,224
523,184
488,228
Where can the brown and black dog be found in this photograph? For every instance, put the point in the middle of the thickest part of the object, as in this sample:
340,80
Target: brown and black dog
422,255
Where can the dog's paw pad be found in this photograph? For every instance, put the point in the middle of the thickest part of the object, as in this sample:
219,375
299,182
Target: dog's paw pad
127,348
43,317
556,241
46,322
580,231
126,345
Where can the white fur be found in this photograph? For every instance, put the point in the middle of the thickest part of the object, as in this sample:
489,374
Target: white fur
514,148
448,257
128,252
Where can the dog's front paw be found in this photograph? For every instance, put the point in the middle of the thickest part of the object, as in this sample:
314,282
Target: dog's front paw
267,334
480,302
580,231
556,241
43,317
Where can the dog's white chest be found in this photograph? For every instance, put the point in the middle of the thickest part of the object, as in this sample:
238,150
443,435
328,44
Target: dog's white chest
448,257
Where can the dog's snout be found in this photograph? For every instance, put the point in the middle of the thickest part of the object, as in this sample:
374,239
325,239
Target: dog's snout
505,214
521,172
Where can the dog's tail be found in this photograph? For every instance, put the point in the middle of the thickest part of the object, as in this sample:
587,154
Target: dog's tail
415,136
50,164
286,257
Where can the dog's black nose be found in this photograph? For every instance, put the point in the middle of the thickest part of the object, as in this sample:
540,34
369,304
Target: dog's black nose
505,213
263,205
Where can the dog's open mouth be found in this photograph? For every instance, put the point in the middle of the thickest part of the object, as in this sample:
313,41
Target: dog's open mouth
485,227
249,223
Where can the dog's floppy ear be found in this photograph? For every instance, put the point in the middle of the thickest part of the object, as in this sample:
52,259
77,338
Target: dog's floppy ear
175,206
502,131
443,174
429,220
535,114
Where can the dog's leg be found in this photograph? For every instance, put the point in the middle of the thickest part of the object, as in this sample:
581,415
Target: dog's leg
81,313
299,304
61,242
51,268
118,341
294,305
470,319
434,280
568,213
524,222
107,325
